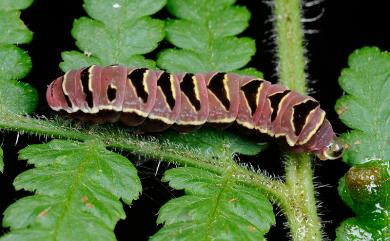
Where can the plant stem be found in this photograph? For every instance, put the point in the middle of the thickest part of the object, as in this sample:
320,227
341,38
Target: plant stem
292,197
123,140
302,213
289,43
304,224
111,137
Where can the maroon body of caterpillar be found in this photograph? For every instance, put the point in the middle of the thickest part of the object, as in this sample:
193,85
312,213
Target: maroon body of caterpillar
156,100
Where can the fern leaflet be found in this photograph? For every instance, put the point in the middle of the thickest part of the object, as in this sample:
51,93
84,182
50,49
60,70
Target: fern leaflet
205,32
214,207
118,32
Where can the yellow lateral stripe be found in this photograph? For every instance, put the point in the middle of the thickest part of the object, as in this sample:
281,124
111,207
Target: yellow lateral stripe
281,103
258,94
132,110
144,82
194,123
161,118
226,87
110,107
261,129
224,120
196,90
245,124
172,82
290,141
90,76
63,83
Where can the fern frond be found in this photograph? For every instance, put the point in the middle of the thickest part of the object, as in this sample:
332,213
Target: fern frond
77,190
15,64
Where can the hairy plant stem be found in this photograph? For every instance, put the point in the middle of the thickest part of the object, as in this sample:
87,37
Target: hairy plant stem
302,213
304,222
114,137
289,44
117,137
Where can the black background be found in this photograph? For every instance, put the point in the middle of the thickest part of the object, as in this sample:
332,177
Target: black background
342,27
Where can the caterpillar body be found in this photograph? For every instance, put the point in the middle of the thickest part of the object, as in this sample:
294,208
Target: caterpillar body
155,100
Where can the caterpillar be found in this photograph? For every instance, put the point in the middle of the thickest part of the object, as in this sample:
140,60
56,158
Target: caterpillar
155,100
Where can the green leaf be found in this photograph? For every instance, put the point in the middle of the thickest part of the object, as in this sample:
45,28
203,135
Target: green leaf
230,21
206,33
215,207
1,160
197,10
364,188
120,33
77,187
74,59
8,5
194,37
180,60
15,64
18,97
251,72
117,12
352,230
12,28
233,53
214,142
365,107
344,194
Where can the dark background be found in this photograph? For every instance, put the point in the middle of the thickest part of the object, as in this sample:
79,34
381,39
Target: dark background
342,27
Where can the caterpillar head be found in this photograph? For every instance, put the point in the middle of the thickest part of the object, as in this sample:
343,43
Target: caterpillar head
327,145
324,143
333,150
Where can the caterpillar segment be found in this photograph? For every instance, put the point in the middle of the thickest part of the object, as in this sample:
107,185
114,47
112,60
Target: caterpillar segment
155,100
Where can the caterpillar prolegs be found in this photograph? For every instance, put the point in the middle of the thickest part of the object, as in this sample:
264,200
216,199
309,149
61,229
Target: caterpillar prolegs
156,100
